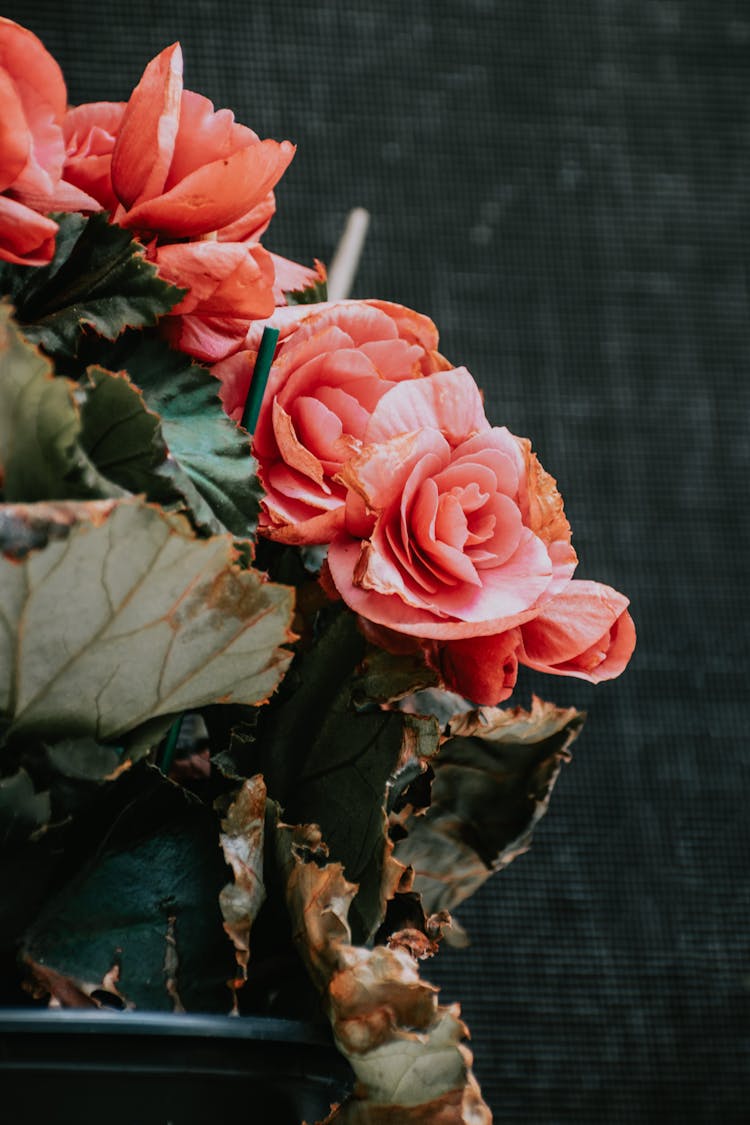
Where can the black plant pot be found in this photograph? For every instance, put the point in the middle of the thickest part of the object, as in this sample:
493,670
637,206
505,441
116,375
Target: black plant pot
72,1067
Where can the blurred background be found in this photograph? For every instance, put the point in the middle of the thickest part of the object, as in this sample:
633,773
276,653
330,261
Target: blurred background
563,188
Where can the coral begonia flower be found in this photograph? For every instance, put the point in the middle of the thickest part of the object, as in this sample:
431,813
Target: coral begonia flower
481,669
219,275
181,169
213,337
26,237
34,100
32,149
90,131
585,631
333,364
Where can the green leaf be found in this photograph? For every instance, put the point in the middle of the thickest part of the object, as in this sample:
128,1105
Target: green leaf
83,759
124,616
493,782
22,809
312,294
386,678
211,463
122,437
140,925
330,764
40,453
50,784
99,278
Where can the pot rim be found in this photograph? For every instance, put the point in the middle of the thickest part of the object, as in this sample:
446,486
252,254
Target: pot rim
271,1029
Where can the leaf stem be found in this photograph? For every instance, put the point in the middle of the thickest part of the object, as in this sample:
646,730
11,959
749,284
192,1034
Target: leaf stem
259,378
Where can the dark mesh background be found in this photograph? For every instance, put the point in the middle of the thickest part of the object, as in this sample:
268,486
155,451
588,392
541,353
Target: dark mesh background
564,189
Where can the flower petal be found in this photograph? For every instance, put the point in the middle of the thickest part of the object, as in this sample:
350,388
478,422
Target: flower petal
15,138
585,631
212,196
343,559
380,473
226,279
26,237
34,72
145,144
449,401
204,135
481,669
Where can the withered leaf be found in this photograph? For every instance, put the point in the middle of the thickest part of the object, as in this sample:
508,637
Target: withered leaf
407,1052
493,781
242,831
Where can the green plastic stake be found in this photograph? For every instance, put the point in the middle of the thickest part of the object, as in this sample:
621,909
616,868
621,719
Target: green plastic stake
171,745
259,378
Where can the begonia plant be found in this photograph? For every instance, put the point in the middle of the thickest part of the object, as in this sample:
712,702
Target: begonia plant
267,571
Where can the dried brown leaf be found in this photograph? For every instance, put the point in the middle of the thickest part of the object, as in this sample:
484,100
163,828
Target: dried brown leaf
242,831
406,1050
493,781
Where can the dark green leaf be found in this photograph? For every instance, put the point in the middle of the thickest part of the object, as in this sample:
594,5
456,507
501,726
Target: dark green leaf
146,906
99,278
386,678
83,759
22,809
41,457
210,459
492,785
329,763
122,437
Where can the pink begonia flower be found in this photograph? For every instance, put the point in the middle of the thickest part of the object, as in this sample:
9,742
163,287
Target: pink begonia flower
33,101
90,132
456,542
453,529
333,365
585,631
197,188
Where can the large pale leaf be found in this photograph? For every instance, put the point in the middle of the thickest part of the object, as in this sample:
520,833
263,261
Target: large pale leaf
41,457
139,925
99,278
493,781
407,1051
123,616
213,466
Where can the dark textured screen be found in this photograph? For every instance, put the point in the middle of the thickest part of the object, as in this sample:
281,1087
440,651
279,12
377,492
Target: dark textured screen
563,187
